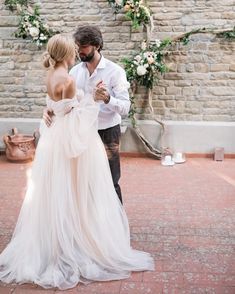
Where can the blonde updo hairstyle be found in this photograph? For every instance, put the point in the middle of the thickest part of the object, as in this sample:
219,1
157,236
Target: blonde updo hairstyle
59,48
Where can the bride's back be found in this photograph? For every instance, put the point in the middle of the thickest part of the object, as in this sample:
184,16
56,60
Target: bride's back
60,55
59,84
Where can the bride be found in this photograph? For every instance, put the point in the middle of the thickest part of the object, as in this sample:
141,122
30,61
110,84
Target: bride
71,227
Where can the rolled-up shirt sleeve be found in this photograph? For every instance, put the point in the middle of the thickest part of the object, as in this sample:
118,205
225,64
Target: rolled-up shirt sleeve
119,96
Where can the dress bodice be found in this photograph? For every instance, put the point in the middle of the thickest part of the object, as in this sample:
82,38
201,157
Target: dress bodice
61,107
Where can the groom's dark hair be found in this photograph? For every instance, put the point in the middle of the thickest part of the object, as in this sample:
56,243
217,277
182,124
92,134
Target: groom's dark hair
89,35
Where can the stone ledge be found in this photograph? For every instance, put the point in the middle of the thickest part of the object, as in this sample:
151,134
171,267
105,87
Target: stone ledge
183,136
190,137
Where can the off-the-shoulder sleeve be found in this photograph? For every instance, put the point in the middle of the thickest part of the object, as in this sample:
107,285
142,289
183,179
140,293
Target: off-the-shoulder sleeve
79,125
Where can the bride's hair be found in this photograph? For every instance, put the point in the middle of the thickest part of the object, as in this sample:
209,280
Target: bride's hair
59,48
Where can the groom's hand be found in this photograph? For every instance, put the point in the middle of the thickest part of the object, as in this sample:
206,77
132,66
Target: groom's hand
101,93
47,116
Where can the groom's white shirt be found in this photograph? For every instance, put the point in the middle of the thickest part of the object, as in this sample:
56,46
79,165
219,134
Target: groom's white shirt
114,77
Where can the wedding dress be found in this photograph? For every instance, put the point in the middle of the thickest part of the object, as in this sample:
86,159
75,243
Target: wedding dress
71,227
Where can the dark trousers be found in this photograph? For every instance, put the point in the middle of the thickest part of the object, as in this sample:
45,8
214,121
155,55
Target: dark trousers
111,140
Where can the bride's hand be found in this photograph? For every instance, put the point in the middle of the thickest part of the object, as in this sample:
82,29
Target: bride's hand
47,116
101,93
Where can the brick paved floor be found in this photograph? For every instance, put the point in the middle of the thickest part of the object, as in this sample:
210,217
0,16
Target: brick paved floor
184,215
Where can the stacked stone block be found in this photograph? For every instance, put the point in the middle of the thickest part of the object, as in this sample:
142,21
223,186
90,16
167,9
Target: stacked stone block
200,84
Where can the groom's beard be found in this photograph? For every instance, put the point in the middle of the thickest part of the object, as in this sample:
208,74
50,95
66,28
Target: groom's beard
88,57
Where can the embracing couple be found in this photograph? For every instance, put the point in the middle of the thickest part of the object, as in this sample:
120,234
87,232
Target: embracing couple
72,226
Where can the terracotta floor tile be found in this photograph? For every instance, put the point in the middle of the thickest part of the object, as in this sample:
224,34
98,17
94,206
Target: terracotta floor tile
4,290
140,288
112,287
183,215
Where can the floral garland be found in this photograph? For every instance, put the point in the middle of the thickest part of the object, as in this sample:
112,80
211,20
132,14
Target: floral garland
134,10
145,67
31,25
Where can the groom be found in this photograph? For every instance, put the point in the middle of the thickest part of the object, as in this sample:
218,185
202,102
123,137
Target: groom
107,82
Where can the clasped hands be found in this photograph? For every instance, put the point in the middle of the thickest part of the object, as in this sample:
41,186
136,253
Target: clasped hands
101,93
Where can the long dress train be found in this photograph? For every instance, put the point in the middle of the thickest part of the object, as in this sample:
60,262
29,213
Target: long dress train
71,227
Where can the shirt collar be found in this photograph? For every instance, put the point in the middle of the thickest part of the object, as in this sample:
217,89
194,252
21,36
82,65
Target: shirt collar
101,63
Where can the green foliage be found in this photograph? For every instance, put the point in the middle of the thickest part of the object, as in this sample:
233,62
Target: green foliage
145,67
14,4
116,5
134,10
230,34
32,27
137,13
132,111
185,38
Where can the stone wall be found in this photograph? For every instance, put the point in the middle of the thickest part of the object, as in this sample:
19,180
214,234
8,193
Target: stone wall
199,86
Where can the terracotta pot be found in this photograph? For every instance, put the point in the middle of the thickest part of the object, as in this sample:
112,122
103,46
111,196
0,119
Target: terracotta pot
19,147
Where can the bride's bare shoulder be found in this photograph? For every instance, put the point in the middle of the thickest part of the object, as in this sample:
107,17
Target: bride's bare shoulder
68,88
65,87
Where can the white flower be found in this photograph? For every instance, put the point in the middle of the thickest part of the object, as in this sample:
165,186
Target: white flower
146,10
118,2
138,58
18,8
141,70
146,65
157,42
34,32
143,45
46,26
42,37
149,54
